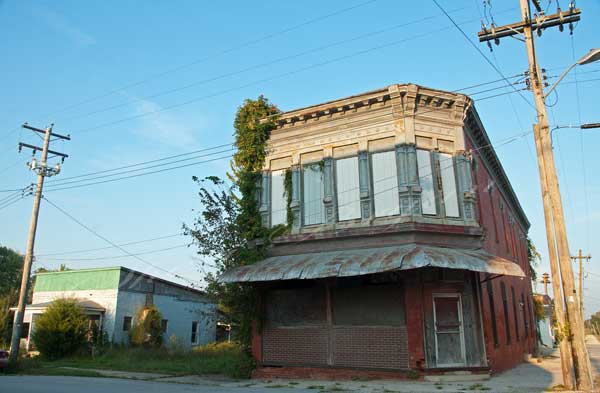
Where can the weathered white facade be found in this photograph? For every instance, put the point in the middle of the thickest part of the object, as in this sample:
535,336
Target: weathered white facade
113,297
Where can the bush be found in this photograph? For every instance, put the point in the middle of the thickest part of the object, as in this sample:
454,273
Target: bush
61,330
147,330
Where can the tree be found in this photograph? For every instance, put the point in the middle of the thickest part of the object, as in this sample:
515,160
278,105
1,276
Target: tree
229,230
147,329
61,330
534,258
11,266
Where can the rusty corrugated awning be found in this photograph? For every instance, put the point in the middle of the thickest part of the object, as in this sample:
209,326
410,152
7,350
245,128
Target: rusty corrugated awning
346,263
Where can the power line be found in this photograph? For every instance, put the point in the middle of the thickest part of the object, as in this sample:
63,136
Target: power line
271,78
216,55
59,186
139,175
110,247
143,169
256,66
480,52
81,224
116,256
146,162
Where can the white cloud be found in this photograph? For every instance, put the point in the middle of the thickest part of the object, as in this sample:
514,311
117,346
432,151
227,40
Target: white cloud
63,26
162,127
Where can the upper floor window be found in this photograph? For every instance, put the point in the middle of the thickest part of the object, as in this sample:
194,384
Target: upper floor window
385,184
425,173
347,188
313,211
450,199
278,198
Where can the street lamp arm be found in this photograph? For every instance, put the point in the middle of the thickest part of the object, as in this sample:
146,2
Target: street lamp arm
546,94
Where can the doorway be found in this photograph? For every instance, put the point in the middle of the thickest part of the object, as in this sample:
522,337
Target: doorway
449,330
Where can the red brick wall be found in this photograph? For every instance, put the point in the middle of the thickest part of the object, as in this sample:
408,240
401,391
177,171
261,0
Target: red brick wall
370,347
296,345
507,241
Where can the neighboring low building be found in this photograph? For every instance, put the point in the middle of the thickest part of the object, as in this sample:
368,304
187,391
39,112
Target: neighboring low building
546,325
112,298
407,247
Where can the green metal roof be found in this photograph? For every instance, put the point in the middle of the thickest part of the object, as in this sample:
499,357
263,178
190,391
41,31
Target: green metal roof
76,280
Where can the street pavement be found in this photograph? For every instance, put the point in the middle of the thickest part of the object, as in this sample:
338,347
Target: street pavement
528,377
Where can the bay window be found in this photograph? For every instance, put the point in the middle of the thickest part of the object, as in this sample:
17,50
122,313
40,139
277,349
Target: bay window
385,184
448,185
313,211
278,198
426,181
347,187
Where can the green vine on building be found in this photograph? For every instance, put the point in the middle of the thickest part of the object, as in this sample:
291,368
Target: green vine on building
228,230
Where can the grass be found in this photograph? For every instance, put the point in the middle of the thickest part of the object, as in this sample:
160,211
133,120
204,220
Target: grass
478,386
223,359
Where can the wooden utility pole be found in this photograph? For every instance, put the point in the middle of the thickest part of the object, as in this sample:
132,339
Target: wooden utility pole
43,172
581,257
545,281
553,210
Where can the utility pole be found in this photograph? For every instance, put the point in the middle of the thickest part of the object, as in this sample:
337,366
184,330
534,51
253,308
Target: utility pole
545,281
553,210
581,257
43,171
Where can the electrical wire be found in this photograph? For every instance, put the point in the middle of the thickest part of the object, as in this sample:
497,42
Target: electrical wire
480,52
221,53
115,256
274,77
87,250
256,66
87,228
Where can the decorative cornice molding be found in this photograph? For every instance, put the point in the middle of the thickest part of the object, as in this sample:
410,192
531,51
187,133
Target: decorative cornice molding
475,130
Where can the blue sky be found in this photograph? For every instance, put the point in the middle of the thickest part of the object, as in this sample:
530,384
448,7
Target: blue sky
57,54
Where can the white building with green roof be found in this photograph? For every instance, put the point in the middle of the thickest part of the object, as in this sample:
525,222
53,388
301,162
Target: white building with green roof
113,296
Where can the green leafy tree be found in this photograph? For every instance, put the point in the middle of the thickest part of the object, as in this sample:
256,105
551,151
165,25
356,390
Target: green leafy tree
61,330
534,258
147,329
228,229
11,267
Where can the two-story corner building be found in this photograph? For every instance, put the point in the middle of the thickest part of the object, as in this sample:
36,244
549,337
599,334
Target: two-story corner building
112,298
408,246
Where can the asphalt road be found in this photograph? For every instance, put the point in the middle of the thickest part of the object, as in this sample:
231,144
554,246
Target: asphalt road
47,384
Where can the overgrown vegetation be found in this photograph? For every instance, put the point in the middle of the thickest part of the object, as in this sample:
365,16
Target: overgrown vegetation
223,358
61,330
538,309
228,229
11,266
534,259
147,330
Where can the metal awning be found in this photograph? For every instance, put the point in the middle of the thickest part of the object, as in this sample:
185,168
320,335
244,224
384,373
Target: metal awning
346,263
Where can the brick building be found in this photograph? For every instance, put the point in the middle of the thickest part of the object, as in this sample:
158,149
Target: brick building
407,248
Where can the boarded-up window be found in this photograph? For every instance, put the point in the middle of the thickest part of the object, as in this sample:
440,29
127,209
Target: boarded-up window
296,307
368,306
278,199
348,192
505,307
449,185
490,292
426,182
515,313
312,195
385,184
